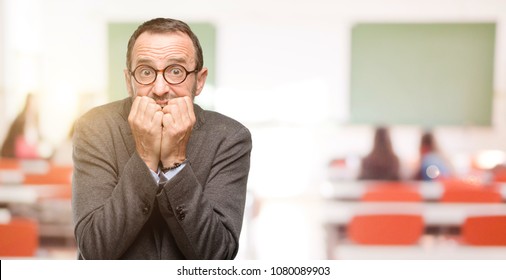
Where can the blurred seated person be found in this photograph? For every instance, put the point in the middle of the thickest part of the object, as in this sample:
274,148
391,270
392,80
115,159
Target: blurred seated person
381,163
433,164
23,137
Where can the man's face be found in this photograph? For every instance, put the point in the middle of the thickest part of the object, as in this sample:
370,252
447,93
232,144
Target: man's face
160,51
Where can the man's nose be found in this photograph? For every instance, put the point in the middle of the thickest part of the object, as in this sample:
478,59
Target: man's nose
160,86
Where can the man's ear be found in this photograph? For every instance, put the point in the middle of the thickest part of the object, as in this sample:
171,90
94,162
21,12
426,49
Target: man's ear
128,81
201,80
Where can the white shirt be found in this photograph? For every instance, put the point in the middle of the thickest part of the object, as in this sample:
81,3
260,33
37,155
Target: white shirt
159,176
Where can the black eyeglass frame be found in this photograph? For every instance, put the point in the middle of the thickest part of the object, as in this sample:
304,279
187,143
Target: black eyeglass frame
163,73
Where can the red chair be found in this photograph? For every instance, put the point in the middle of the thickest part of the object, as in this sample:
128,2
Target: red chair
386,229
485,231
462,191
19,238
10,163
55,175
391,192
60,179
471,195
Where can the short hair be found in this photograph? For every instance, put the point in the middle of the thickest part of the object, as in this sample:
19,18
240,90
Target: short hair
165,25
428,141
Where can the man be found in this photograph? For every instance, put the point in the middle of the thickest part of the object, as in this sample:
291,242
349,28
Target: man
155,176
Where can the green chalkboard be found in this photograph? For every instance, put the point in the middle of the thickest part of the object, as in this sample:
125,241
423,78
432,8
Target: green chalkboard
118,35
428,74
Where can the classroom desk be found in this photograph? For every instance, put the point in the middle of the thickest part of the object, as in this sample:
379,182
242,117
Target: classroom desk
18,194
30,194
11,176
355,189
426,250
5,216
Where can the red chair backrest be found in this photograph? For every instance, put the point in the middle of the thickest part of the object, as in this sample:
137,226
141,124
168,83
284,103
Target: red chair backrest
471,195
393,192
485,231
386,229
19,238
56,183
457,190
9,163
55,175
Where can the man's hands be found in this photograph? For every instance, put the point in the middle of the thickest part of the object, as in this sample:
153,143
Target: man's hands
161,134
145,120
178,121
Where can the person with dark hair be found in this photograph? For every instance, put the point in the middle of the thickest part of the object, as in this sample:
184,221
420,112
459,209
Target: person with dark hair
23,137
155,175
381,163
432,163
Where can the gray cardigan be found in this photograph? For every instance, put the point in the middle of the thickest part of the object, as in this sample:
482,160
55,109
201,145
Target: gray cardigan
121,213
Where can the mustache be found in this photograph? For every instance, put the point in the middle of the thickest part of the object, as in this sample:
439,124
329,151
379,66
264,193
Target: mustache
163,98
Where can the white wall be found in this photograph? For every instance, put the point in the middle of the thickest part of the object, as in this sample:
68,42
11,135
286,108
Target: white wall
265,49
2,59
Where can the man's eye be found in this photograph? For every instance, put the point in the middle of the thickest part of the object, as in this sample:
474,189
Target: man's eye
146,72
176,71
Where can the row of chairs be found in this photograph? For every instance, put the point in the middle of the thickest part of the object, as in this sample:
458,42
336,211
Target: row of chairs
406,229
402,229
41,173
399,192
20,237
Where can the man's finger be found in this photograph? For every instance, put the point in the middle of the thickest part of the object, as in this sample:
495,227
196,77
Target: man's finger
190,110
168,120
135,107
157,118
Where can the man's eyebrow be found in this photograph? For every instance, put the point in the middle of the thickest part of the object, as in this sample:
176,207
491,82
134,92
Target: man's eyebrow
144,61
177,59
170,60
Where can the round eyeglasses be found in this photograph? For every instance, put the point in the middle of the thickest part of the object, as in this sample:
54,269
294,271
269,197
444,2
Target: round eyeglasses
173,74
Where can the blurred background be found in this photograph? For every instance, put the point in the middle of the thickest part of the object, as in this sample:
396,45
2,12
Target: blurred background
312,80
